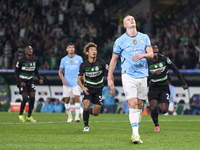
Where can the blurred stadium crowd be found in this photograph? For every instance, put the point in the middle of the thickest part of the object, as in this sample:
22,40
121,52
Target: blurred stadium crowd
48,25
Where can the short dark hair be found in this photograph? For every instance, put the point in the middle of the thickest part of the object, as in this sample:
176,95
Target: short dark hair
69,44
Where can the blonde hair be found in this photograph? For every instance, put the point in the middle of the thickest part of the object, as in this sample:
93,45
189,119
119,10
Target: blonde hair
86,48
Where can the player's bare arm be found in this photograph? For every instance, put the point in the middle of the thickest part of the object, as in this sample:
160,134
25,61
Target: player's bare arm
79,81
148,55
60,73
111,70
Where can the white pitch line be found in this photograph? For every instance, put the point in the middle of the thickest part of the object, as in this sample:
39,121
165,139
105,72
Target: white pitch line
2,123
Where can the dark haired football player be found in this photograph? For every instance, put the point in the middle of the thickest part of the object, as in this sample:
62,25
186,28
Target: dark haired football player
26,68
159,83
93,69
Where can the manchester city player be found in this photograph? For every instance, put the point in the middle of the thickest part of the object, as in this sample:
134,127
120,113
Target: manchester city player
70,66
134,48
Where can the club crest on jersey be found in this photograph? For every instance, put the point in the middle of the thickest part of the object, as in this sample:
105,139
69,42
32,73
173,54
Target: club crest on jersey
135,42
92,69
97,68
142,41
71,61
160,65
156,66
76,61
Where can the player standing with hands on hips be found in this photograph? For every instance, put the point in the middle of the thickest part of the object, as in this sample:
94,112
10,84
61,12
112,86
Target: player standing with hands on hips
134,48
26,68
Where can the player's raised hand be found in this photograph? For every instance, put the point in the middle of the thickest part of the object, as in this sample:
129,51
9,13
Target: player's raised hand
184,86
137,57
158,71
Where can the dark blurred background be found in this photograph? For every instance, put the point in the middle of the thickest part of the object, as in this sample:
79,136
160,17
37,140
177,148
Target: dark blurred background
48,25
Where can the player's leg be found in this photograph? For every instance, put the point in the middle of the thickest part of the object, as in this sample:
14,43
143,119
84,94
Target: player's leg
23,92
86,115
130,89
76,94
67,92
31,103
154,113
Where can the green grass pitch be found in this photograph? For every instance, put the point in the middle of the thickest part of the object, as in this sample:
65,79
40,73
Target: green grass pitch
107,131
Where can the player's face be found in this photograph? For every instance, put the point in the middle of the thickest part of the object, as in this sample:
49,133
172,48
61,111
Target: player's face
92,52
70,49
29,51
155,51
129,21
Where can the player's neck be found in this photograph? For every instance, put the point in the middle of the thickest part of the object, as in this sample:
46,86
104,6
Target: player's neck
71,55
92,59
29,56
131,31
154,59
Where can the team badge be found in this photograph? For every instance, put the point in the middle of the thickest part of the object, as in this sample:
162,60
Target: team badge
34,64
156,66
135,42
160,65
76,61
92,69
142,41
71,61
96,68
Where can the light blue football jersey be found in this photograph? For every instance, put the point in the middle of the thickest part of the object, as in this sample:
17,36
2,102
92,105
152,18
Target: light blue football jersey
71,69
127,46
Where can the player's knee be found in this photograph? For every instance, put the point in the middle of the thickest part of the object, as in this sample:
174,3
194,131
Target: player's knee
86,108
153,108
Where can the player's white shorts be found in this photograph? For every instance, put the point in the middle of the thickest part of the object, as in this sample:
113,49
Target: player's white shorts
70,91
171,107
134,87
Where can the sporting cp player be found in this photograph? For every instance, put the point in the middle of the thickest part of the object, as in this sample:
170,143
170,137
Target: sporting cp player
70,66
93,69
26,68
159,84
133,47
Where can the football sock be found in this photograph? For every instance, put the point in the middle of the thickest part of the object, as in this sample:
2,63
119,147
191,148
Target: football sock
91,111
86,117
154,115
23,103
68,109
140,118
31,105
77,109
134,115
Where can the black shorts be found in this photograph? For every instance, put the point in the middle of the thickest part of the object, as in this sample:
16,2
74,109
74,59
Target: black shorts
160,93
26,89
95,98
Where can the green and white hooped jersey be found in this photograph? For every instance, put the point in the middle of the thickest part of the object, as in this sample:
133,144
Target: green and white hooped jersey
162,63
94,73
26,68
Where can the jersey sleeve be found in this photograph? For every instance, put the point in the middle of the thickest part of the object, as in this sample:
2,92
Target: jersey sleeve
116,48
17,70
62,64
172,66
81,71
148,42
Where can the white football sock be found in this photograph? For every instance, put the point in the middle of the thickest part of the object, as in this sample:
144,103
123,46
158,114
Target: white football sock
68,109
134,116
77,109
